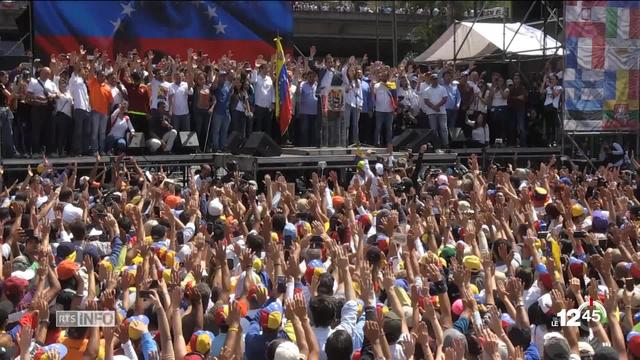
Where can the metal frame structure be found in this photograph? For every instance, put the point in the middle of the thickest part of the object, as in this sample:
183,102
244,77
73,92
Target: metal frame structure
478,17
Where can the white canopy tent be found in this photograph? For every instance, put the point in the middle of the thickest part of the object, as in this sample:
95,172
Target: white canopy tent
488,38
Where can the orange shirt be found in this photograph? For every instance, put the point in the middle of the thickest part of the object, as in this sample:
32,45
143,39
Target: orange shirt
99,96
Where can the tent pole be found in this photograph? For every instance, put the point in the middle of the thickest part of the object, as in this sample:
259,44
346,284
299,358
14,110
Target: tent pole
526,16
475,19
377,33
504,37
455,54
394,31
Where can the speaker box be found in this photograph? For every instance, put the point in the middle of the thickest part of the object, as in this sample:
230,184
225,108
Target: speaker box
136,143
400,141
423,136
457,135
189,141
261,144
234,143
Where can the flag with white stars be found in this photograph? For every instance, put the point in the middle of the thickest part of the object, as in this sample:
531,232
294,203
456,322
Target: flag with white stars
245,28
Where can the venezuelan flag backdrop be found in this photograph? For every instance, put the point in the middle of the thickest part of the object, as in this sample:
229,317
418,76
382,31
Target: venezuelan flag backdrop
246,28
602,65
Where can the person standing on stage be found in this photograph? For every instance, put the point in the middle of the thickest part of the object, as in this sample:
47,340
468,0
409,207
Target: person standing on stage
42,93
265,96
308,129
328,76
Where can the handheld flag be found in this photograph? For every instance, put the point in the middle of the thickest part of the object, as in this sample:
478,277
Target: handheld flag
283,97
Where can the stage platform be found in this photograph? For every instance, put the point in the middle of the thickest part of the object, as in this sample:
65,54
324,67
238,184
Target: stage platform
294,159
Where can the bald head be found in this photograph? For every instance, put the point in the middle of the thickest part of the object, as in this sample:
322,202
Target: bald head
45,73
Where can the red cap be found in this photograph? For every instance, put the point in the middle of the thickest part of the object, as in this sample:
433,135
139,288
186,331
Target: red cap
15,285
634,345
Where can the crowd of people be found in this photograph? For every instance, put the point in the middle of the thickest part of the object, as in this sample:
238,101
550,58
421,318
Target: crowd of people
87,103
363,7
399,261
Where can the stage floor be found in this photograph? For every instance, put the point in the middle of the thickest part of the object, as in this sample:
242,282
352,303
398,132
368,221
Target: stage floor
295,158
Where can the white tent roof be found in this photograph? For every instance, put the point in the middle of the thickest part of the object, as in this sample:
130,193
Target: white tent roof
487,38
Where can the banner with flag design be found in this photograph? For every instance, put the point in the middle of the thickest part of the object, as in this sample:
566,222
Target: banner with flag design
283,95
244,28
602,65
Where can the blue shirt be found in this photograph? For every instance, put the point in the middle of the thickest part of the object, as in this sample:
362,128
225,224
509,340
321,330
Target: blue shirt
453,97
223,96
532,352
308,99
366,95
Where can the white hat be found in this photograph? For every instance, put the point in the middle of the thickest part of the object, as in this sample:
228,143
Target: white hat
94,232
26,274
41,201
148,225
215,207
71,213
287,351
6,250
379,169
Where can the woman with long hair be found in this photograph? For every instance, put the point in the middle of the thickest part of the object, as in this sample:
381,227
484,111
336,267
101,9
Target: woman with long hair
352,105
241,114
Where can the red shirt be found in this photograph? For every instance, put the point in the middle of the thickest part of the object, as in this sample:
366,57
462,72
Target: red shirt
139,96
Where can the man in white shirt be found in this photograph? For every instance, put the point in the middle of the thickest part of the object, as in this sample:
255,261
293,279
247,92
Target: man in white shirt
383,103
327,76
435,97
264,100
42,92
179,103
81,108
159,90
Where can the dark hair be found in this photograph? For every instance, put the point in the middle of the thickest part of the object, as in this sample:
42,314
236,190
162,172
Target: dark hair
255,243
278,222
322,311
125,223
325,284
66,194
520,336
339,345
526,275
78,230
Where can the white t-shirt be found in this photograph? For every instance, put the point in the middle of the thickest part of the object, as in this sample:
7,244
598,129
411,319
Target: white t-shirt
37,90
64,103
116,95
383,98
353,94
78,90
157,94
120,125
265,93
180,93
435,95
550,99
498,100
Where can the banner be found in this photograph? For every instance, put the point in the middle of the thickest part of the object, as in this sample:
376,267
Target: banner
602,65
244,28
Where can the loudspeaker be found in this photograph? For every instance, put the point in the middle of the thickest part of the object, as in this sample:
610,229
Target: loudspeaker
261,144
136,143
400,141
189,141
457,135
423,136
234,143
